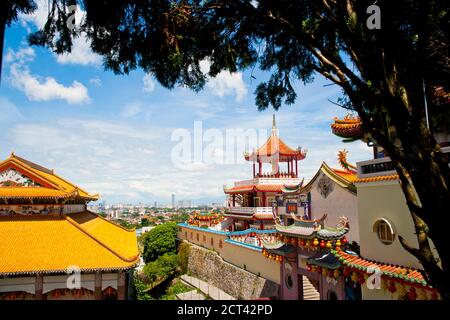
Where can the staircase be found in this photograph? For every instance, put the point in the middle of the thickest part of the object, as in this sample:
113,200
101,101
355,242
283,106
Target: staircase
309,291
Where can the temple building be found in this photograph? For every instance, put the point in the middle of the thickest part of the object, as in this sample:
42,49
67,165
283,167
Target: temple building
330,191
250,201
383,216
52,247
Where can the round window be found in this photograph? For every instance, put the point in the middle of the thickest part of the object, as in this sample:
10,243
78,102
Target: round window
385,231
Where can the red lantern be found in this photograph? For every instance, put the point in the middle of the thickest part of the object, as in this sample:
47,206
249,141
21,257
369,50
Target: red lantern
344,240
309,268
322,244
319,270
361,278
347,272
412,294
392,288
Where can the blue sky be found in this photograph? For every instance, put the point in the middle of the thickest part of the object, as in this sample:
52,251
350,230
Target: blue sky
113,134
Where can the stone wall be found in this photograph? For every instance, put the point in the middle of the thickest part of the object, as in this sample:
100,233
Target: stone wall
208,266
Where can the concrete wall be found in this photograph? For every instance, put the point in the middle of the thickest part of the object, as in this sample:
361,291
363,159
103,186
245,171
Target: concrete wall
340,202
209,266
252,260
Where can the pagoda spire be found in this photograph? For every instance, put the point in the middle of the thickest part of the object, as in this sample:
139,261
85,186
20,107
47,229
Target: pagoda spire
274,124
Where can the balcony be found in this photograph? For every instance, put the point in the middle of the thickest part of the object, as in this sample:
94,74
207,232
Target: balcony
375,167
266,180
249,210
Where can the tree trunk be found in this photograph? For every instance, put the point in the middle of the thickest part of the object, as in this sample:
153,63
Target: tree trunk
422,163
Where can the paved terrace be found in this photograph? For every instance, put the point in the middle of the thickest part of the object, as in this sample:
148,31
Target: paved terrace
212,291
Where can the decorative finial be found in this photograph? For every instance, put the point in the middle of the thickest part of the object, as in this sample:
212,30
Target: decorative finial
274,125
12,154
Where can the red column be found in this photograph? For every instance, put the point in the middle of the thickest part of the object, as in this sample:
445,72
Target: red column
234,200
263,200
260,168
261,225
289,167
296,168
254,170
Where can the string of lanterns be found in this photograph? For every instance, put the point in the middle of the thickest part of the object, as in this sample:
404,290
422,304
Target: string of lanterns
272,256
403,289
314,243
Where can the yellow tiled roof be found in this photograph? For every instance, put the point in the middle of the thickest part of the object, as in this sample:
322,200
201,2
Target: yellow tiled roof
48,176
31,192
48,244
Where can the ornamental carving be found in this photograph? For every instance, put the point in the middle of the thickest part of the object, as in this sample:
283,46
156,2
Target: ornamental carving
325,186
12,178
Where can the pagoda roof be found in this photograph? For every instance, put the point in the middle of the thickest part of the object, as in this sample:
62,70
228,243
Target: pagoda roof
275,146
325,259
255,187
43,182
309,229
51,244
348,127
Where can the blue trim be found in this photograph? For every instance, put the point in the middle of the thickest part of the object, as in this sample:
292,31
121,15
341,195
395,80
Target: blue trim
240,233
185,225
245,245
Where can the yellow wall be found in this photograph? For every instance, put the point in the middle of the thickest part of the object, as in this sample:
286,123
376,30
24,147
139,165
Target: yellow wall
253,260
385,200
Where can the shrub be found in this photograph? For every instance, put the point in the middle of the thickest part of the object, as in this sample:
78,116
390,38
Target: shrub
159,241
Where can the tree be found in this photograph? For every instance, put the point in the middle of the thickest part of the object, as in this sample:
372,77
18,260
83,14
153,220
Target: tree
386,74
162,268
160,240
9,11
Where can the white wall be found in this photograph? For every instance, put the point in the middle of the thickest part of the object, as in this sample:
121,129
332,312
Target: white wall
340,202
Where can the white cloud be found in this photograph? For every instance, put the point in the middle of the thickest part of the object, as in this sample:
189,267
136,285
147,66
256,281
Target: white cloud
225,83
81,53
97,82
149,83
132,109
38,88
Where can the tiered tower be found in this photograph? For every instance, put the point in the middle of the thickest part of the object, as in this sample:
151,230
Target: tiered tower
250,202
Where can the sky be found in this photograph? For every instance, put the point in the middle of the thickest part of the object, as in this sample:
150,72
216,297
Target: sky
119,135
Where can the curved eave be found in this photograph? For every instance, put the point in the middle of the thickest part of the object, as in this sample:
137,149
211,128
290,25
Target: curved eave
329,172
64,271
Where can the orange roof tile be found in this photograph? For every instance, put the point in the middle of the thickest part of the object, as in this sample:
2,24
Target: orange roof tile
347,175
408,274
377,178
256,187
50,244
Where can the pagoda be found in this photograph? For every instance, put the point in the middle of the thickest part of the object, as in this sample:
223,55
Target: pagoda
48,236
250,202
